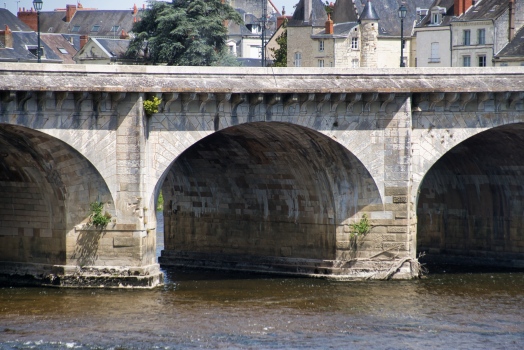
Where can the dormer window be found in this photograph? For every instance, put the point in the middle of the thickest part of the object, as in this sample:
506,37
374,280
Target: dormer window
436,15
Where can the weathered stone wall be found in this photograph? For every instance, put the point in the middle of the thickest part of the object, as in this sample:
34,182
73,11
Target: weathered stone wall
369,41
269,189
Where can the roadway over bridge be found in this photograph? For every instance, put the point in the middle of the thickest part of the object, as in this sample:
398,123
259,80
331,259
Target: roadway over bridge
260,169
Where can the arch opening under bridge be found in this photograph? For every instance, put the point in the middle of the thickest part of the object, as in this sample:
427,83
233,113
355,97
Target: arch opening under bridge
46,187
470,206
263,194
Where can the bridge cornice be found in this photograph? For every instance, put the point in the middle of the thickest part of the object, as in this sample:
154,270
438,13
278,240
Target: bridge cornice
96,78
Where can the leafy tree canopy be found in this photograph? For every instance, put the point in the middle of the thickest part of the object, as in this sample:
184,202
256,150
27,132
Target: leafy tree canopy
281,52
184,32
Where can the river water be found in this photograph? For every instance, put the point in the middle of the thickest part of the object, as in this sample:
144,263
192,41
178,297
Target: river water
450,309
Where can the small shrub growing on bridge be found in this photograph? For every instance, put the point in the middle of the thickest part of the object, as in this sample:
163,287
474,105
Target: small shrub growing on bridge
361,228
97,218
151,106
160,203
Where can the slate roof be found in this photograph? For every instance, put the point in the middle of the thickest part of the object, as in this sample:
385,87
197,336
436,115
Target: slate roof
449,5
340,29
486,9
387,11
318,15
16,25
515,48
20,52
54,22
344,11
235,29
115,47
369,13
56,42
76,40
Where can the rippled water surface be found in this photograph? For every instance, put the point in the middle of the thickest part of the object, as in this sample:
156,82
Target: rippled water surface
197,309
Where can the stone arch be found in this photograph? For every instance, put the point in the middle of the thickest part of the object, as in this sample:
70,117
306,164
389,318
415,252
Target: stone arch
46,189
266,189
370,137
436,133
470,202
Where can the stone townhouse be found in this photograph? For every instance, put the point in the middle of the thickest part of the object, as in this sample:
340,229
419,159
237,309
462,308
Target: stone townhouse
465,33
362,33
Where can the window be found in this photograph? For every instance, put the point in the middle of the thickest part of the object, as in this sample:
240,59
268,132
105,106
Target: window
298,59
482,61
321,45
34,50
482,36
466,61
354,63
522,63
115,28
50,29
95,28
76,29
505,64
321,63
403,44
62,50
354,43
434,53
467,37
435,19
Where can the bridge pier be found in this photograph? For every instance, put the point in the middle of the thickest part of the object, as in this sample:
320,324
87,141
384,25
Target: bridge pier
260,170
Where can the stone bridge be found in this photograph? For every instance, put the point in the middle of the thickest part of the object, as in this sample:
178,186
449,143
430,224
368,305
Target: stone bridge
260,169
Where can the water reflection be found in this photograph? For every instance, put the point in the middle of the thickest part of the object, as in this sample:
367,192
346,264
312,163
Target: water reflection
242,311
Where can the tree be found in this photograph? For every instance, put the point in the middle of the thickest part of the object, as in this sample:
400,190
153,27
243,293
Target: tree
281,53
184,32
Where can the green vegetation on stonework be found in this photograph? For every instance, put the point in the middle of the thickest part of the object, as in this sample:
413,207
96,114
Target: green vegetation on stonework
160,203
361,228
281,53
151,106
97,218
184,33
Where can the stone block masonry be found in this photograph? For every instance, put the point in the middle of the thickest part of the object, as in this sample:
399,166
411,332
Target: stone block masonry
261,170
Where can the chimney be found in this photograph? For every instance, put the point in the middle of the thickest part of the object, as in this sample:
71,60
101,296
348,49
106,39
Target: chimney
329,25
280,19
307,10
511,20
143,6
29,18
462,6
467,4
83,40
6,37
124,35
135,10
70,12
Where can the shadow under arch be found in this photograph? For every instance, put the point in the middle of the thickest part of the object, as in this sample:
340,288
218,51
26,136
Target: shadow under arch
45,190
470,203
265,189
